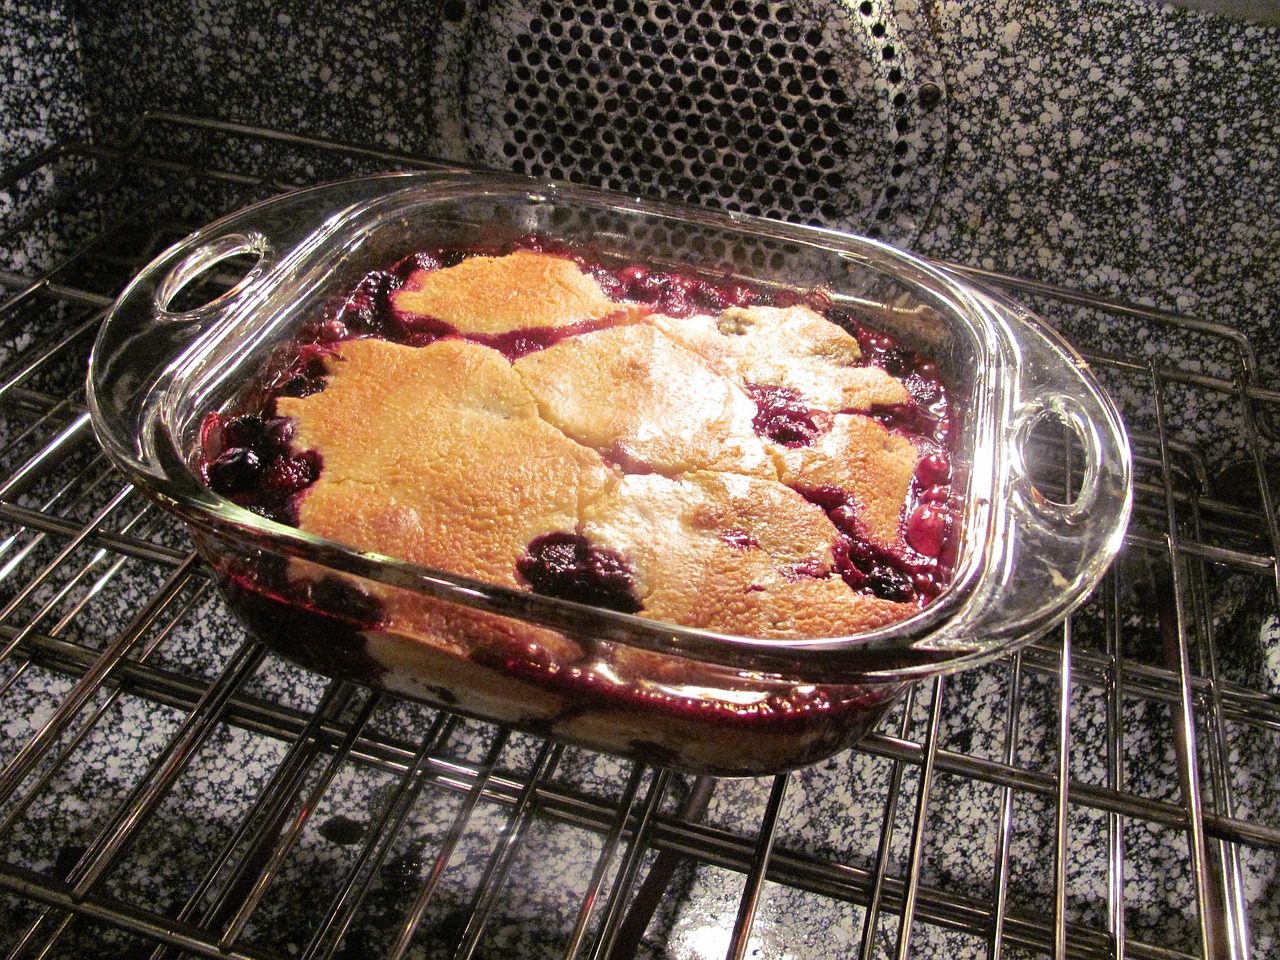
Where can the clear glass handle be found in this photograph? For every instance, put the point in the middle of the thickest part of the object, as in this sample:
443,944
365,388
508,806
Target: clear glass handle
201,261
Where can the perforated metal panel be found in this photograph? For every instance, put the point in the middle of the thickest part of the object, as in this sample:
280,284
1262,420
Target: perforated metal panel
804,111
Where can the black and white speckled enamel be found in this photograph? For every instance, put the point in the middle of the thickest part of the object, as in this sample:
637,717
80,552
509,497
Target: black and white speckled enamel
1113,145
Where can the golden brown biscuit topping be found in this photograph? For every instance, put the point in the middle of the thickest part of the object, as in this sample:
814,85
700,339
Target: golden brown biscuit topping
437,455
728,468
499,294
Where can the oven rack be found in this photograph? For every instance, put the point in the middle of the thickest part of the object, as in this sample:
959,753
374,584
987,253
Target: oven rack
170,789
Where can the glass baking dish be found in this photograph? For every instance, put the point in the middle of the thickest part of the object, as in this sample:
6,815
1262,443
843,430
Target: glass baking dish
660,692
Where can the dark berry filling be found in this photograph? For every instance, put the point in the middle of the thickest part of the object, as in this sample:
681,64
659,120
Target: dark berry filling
782,415
916,574
517,343
926,529
894,361
367,308
234,471
319,624
249,460
933,470
566,566
674,294
306,374
335,594
914,420
422,260
415,329
289,473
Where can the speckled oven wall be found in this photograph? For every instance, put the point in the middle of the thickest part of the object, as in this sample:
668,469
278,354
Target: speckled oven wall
1124,147
41,94
1118,146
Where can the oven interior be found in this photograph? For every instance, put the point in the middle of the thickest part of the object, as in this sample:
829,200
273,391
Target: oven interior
169,789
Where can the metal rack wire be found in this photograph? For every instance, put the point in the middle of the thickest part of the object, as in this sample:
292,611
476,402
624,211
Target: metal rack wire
169,789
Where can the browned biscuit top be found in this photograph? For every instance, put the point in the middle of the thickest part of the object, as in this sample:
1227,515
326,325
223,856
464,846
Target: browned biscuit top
732,554
437,455
639,438
792,347
521,291
872,464
641,399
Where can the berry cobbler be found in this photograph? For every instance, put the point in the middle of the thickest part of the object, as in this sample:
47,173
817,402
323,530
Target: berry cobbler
734,458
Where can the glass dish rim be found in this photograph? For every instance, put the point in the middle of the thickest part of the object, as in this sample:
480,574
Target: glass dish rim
175,485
